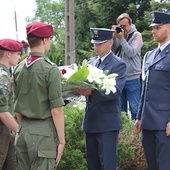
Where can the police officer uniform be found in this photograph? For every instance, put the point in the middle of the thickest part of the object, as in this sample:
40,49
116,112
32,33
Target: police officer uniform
37,90
7,147
102,120
154,110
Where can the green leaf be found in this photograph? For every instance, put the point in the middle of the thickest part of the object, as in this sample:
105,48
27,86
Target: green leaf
80,75
105,72
84,63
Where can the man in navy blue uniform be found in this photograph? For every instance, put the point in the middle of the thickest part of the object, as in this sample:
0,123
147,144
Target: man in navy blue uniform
102,120
153,117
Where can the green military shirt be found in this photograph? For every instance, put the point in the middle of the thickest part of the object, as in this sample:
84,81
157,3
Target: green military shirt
6,90
37,88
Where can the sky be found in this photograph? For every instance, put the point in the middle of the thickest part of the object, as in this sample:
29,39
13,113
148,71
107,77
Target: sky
23,9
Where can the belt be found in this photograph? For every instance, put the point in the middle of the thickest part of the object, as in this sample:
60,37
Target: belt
37,119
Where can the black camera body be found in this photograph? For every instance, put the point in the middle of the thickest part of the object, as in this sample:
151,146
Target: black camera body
119,28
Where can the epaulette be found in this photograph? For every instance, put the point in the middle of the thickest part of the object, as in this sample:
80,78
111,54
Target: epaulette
48,61
3,72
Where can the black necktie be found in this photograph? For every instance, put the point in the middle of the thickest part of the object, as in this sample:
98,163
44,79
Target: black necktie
156,54
98,63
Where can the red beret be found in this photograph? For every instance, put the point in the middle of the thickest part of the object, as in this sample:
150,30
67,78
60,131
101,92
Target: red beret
10,45
39,29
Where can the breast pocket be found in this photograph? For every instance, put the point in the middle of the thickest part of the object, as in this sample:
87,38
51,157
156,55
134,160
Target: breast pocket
162,68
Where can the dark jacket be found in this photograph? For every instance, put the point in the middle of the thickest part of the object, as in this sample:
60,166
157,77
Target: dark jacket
154,109
103,111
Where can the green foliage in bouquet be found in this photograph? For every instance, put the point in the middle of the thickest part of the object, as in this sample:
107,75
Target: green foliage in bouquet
85,76
81,74
74,157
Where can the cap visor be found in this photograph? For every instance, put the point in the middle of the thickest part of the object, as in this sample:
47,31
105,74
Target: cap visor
154,24
98,41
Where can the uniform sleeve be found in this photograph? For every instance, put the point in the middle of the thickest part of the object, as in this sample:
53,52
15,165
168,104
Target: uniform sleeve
3,104
5,90
55,90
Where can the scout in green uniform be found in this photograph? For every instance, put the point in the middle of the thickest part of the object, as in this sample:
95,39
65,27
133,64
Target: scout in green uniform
40,139
9,56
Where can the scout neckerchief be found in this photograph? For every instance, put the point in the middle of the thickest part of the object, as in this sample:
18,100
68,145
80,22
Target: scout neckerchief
31,60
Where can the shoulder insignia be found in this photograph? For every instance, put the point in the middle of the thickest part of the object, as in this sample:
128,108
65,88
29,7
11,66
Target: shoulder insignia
31,60
5,84
48,61
3,72
5,87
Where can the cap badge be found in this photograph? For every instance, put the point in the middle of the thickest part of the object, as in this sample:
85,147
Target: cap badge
96,34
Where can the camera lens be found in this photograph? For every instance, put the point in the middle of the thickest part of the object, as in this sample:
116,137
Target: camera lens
118,29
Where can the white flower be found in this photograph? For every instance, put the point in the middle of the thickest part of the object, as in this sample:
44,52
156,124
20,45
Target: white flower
113,75
95,75
103,81
109,85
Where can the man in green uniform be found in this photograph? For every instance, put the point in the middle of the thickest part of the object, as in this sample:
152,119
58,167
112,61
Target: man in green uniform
9,56
40,138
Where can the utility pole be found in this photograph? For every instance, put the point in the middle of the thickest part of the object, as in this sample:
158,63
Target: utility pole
15,18
16,27
69,33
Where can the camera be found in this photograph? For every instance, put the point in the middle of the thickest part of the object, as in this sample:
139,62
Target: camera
119,28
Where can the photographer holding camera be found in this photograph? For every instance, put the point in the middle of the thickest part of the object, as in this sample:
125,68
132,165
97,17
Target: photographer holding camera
127,45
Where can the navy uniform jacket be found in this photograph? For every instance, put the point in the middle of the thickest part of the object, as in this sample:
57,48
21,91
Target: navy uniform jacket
103,111
154,108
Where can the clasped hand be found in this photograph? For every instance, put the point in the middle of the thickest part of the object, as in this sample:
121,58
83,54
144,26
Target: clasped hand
84,91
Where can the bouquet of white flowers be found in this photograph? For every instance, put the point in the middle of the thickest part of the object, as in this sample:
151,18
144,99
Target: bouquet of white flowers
85,76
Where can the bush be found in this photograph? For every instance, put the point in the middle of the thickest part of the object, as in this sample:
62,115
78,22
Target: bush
74,157
74,152
126,138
